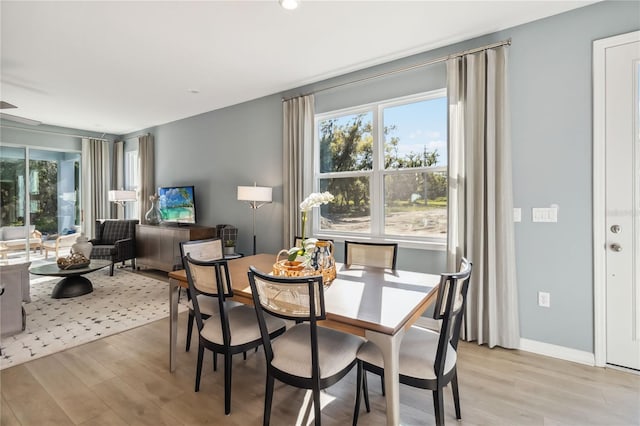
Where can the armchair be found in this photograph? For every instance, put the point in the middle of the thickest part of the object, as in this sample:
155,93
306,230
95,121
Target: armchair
115,241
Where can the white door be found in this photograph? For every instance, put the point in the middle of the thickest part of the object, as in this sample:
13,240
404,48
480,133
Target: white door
622,201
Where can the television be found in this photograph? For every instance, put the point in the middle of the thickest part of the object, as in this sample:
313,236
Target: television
177,204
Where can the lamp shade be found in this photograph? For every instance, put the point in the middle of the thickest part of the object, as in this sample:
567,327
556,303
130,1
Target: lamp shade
254,193
121,195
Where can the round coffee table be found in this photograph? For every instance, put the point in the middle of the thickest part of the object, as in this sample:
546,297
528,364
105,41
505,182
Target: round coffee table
73,283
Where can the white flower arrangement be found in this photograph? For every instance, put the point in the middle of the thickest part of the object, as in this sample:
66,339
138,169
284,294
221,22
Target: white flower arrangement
314,199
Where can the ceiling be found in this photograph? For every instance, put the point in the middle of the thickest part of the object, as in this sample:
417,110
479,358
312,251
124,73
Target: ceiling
119,67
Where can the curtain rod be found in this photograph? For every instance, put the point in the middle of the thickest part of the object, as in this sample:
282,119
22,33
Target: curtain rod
53,133
137,136
408,68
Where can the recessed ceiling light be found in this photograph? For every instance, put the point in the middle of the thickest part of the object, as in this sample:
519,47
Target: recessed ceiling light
289,4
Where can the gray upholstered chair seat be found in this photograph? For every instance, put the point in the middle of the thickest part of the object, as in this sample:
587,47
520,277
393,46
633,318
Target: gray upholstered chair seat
102,252
336,350
209,305
243,326
417,354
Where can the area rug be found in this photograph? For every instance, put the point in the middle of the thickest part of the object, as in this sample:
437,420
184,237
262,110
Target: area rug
124,301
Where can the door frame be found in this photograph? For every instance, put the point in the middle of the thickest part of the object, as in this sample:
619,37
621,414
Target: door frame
599,214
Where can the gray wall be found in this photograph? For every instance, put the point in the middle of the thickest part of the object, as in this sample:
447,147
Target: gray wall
550,80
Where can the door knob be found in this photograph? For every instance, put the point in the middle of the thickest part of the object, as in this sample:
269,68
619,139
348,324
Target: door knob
616,247
615,229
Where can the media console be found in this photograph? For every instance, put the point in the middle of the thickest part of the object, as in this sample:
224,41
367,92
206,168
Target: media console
158,246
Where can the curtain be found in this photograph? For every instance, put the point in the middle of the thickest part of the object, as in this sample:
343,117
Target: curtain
146,173
96,182
118,177
481,194
297,130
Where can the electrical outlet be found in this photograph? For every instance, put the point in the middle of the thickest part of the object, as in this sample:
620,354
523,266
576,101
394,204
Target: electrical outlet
544,299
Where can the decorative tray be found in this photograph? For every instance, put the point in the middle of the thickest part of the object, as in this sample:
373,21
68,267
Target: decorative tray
74,265
73,261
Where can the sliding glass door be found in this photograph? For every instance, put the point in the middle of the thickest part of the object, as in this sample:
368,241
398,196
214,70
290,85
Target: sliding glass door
39,200
13,203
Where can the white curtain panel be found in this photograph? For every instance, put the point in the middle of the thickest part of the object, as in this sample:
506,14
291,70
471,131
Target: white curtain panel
146,170
297,130
481,194
96,182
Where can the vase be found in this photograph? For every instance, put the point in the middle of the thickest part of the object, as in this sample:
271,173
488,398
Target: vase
153,216
322,259
83,246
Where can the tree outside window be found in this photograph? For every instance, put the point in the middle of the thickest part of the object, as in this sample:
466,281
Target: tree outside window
385,164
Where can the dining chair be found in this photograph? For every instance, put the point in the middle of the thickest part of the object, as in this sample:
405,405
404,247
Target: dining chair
380,255
207,249
232,330
305,356
427,358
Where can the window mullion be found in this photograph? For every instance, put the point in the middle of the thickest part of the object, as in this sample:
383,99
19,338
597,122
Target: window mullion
377,185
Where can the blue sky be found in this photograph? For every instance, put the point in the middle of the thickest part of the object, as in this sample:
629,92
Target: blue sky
419,124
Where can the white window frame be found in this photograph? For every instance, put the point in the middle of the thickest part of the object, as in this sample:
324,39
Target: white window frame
376,175
131,182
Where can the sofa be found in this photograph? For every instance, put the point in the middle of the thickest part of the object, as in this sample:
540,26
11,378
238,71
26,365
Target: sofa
14,290
115,241
14,238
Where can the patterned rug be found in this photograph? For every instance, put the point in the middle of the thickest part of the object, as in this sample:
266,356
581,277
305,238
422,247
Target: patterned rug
124,301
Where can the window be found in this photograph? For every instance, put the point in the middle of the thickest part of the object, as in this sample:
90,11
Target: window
386,165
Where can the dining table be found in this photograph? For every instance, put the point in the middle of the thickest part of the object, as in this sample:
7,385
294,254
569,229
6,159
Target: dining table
376,303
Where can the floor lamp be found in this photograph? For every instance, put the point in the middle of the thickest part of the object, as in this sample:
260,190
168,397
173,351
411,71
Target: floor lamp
121,197
257,196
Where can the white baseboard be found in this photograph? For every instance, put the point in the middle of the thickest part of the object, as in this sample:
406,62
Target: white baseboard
533,346
555,351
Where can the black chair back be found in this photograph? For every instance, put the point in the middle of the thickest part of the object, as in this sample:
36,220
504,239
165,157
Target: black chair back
208,249
449,307
210,278
299,299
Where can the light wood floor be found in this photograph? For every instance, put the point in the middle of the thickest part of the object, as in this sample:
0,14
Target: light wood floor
124,379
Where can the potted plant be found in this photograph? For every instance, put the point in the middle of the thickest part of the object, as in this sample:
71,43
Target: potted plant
229,247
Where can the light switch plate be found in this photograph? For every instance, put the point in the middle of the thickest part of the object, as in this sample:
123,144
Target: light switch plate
546,214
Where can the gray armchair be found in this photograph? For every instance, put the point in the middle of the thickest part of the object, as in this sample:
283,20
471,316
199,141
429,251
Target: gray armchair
115,241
